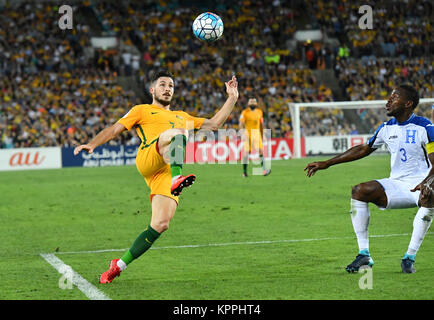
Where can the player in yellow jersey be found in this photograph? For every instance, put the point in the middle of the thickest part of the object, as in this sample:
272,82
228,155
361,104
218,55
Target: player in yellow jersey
160,156
252,121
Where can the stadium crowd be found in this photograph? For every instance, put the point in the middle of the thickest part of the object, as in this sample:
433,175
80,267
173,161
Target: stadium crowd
406,27
370,63
55,91
51,92
375,81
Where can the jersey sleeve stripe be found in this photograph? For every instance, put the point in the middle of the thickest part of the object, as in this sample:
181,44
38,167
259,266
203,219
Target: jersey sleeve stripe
425,153
143,137
374,137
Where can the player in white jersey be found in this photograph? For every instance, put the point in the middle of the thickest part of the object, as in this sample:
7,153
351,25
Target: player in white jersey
410,141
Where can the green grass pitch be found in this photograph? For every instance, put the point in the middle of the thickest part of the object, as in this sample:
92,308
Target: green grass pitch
281,237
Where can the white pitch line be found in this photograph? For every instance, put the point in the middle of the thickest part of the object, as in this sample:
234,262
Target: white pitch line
82,284
240,243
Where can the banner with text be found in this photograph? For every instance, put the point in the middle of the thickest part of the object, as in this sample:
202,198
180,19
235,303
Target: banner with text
30,158
334,144
101,157
230,151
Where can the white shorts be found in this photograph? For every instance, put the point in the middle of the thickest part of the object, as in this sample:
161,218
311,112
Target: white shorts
398,194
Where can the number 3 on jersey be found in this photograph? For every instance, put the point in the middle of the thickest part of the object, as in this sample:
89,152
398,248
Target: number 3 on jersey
403,155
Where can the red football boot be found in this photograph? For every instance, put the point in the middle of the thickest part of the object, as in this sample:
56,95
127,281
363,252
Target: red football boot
182,182
113,272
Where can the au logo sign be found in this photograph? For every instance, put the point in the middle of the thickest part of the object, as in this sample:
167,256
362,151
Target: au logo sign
28,159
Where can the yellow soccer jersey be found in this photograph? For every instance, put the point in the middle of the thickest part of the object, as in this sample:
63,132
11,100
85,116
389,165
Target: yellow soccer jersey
252,119
150,121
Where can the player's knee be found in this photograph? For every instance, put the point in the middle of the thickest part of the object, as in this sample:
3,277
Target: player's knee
179,131
164,227
166,139
168,135
357,192
367,192
161,226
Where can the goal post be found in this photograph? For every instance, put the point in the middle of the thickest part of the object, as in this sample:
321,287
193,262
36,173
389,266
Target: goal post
296,109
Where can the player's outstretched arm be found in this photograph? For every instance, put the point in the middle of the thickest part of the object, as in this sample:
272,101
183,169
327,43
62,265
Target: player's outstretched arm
354,153
220,117
102,137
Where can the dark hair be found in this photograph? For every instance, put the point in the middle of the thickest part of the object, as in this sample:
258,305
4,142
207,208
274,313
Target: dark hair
410,93
159,74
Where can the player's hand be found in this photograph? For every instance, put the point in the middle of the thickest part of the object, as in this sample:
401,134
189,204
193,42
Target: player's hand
232,87
418,187
425,188
425,191
314,167
86,147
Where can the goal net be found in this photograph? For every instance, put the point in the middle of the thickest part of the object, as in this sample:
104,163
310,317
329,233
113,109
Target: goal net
326,128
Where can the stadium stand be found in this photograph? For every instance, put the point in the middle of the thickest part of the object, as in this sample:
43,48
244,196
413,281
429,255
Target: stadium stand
54,82
49,86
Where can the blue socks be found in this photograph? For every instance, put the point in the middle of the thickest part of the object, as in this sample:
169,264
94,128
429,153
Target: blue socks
412,257
409,256
365,252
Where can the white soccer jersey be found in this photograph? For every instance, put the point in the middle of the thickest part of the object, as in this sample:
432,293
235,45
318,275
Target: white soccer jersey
406,143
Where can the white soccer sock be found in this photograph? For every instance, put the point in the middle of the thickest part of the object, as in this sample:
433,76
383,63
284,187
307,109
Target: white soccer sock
360,219
421,223
121,264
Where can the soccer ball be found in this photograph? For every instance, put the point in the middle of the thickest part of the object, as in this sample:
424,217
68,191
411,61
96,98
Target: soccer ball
208,27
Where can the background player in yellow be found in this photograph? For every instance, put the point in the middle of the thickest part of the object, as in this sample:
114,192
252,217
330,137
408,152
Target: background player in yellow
160,156
252,121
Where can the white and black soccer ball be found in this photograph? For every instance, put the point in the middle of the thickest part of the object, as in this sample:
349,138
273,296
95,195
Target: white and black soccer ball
208,27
